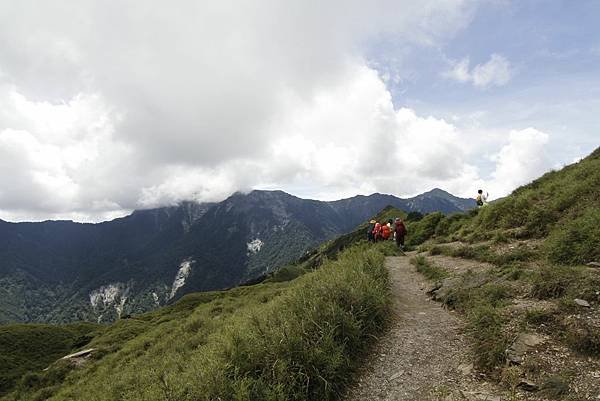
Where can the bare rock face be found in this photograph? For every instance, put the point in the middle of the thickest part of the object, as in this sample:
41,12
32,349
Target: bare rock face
522,344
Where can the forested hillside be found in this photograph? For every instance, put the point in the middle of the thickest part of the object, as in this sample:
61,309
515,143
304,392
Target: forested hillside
60,271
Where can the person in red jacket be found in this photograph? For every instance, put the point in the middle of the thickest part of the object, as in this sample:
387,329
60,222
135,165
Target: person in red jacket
377,232
400,231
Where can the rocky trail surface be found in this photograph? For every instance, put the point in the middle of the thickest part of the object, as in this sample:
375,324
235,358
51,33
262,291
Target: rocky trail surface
425,354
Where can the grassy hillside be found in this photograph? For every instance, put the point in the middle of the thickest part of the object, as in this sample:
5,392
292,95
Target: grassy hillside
533,247
291,340
560,209
25,348
299,333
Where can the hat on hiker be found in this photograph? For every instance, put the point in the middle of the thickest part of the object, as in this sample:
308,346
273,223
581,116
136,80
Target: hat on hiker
397,218
372,222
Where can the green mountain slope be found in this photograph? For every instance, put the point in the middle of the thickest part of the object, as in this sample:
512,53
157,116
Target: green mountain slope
277,340
25,348
298,334
61,271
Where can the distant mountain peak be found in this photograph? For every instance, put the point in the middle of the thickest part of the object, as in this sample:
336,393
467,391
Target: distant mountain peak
437,192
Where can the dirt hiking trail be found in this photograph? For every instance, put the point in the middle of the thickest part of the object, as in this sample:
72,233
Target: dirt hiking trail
424,355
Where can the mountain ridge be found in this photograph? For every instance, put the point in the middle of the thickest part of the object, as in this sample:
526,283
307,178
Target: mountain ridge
62,271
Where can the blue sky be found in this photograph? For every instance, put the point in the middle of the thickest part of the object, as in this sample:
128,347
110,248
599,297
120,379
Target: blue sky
112,106
553,48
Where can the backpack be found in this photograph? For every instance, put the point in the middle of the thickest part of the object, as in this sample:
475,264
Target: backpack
400,229
479,200
385,231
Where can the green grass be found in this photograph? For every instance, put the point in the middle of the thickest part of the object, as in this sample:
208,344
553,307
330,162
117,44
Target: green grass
566,281
485,325
422,230
583,337
482,301
28,347
484,253
576,241
293,340
561,207
428,269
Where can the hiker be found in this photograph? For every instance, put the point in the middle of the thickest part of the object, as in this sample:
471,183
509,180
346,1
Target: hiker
390,224
399,233
385,232
370,228
377,232
481,198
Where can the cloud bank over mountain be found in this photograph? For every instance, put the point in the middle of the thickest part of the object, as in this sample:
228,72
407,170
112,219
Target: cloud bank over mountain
110,106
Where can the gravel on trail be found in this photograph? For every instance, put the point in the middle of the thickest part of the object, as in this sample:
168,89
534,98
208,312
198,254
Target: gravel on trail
424,355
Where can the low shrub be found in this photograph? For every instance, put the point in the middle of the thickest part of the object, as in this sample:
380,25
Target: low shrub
500,238
436,250
485,325
583,337
424,229
555,387
554,281
537,317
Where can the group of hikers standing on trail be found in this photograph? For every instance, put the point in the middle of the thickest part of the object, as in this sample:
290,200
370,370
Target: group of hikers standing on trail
392,230
396,230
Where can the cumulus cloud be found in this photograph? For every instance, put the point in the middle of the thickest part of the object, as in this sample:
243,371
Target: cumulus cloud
106,107
523,158
495,72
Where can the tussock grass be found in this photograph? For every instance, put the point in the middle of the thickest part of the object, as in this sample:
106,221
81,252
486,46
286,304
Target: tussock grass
566,281
576,241
428,269
296,340
482,305
483,253
583,337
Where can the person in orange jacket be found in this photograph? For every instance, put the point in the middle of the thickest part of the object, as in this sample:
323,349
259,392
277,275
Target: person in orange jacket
385,232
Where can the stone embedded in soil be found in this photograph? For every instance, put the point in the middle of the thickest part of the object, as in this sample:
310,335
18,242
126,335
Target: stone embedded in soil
523,343
465,368
582,302
528,385
593,264
396,375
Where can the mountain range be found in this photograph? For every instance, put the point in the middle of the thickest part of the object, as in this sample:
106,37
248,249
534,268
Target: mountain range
63,271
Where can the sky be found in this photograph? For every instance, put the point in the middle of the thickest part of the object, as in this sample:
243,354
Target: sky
110,106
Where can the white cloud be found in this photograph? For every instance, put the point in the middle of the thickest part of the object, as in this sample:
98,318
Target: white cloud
119,105
496,72
346,140
519,161
123,105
